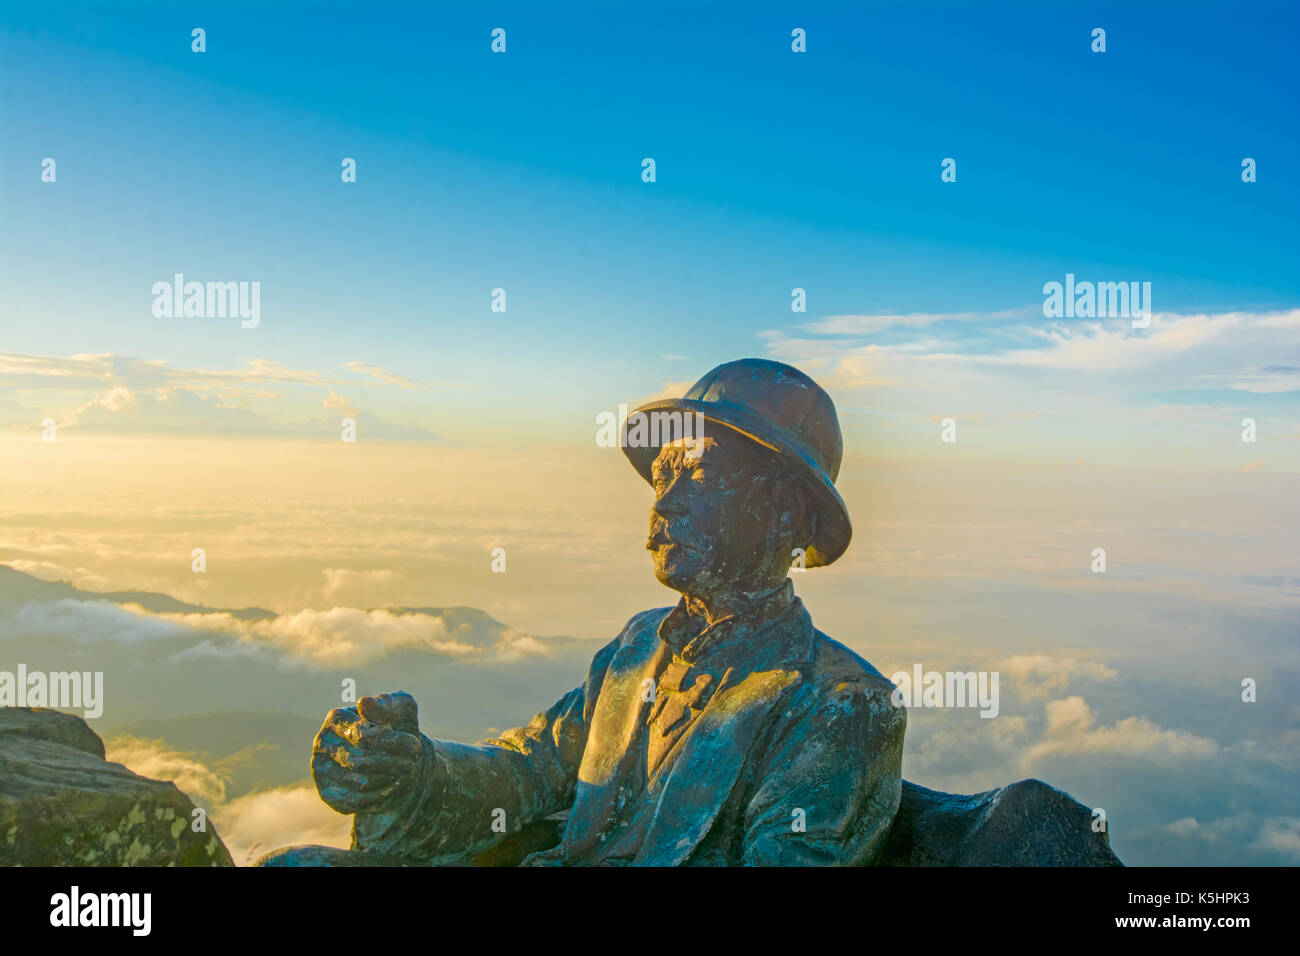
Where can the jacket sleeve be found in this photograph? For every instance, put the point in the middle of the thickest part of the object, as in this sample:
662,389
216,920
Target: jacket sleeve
465,798
831,779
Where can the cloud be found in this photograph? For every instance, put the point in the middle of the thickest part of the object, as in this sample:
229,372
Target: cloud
878,322
380,374
350,636
1068,717
1239,339
1038,675
670,390
91,621
1104,346
284,816
1070,731
153,758
320,638
336,401
182,411
1265,380
338,580
1096,389
123,394
117,399
81,577
94,370
161,410
1282,836
1241,839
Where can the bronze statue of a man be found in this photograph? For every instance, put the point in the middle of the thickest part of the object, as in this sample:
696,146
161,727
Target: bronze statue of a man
726,730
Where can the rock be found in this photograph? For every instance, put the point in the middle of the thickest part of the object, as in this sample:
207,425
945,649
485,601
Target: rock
1024,824
312,855
63,804
52,725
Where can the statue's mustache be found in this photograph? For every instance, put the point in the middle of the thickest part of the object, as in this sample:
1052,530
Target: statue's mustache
664,532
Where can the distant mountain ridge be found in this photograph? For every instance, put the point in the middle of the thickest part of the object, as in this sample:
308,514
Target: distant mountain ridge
18,587
470,673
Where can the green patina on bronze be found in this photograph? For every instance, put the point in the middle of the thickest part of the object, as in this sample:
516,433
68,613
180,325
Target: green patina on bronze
726,730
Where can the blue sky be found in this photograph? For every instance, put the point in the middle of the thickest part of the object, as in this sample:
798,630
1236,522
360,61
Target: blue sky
522,170
775,170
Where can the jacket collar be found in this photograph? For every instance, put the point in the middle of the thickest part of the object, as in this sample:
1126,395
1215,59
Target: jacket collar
766,649
734,639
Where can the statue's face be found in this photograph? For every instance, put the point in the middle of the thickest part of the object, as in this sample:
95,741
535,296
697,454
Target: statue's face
712,518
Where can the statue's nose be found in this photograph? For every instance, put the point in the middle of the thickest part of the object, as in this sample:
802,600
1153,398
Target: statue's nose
670,503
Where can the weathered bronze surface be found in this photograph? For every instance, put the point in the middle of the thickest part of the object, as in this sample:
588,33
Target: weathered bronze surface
726,730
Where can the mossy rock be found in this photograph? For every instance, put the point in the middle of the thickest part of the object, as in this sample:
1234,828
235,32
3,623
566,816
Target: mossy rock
63,804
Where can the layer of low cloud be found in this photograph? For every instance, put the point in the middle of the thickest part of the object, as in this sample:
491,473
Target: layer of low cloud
324,638
153,758
126,395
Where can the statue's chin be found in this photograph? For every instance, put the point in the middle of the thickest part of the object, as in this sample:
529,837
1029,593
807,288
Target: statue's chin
677,569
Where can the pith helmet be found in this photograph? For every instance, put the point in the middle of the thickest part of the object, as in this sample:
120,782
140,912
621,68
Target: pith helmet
782,409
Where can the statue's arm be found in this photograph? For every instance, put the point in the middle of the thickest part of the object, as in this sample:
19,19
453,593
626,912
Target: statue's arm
830,780
465,794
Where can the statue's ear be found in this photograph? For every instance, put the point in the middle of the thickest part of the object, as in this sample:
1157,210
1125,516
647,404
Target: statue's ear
794,508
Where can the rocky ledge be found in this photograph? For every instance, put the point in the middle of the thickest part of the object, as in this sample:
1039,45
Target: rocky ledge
63,804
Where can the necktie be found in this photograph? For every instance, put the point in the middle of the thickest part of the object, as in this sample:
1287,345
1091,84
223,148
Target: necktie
683,692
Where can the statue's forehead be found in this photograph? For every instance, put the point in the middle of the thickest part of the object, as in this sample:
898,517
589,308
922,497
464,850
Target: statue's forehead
685,449
721,448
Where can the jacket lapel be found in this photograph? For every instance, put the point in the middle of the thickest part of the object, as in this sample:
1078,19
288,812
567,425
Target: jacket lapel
717,747
709,765
619,714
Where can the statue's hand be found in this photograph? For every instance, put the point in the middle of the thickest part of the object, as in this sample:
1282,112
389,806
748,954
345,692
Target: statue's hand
365,756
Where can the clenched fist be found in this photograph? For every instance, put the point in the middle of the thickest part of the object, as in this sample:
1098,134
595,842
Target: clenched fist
364,756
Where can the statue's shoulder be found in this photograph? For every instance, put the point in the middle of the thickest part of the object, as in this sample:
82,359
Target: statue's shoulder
643,626
633,644
834,664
